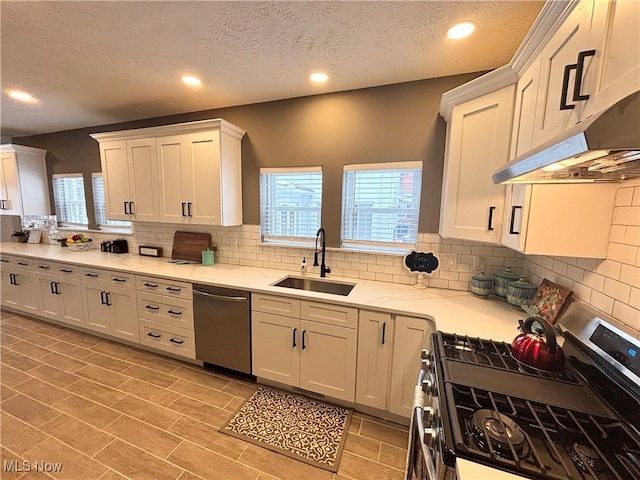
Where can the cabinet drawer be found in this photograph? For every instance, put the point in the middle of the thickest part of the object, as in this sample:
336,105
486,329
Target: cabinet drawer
165,287
176,340
17,262
170,311
289,307
330,314
95,275
54,268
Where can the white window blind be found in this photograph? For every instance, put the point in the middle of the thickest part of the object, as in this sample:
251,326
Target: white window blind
68,196
100,207
290,204
381,206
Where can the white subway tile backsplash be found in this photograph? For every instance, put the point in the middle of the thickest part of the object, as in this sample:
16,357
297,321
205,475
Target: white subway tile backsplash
617,290
626,216
627,315
602,302
609,268
624,196
574,273
582,292
622,253
587,263
636,197
559,267
634,298
630,275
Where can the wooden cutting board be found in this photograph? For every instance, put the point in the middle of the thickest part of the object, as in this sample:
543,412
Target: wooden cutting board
189,245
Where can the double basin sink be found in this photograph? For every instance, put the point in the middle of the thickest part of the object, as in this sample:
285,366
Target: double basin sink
315,285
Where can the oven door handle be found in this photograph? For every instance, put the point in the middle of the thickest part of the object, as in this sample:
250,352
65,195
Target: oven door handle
426,452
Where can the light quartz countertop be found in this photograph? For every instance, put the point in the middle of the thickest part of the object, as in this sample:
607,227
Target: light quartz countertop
453,311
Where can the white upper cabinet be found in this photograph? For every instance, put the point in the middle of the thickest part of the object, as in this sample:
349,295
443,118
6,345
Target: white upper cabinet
617,73
130,179
24,188
194,168
478,141
524,109
569,220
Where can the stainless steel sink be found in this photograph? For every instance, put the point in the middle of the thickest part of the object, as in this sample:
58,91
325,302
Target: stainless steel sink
314,285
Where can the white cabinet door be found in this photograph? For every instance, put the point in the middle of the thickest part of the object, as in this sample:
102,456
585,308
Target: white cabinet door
328,360
72,311
557,88
122,305
202,178
478,140
275,344
525,109
561,220
375,338
12,201
10,290
618,70
172,175
143,179
51,305
411,336
115,172
97,312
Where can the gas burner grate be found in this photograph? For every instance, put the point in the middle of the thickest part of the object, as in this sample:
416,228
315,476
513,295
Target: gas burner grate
493,354
551,442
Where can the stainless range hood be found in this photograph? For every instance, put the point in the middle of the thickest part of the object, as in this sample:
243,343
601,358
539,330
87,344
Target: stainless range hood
602,148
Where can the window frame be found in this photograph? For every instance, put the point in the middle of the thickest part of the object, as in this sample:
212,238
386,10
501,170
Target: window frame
63,223
349,210
271,239
122,226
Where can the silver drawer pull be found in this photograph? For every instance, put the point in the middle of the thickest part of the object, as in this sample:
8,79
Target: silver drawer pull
150,285
153,335
177,342
173,312
151,307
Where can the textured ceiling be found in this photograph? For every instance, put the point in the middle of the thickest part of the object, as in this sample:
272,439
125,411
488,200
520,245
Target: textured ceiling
95,63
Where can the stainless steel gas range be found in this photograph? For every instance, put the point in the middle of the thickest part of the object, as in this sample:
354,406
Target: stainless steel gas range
475,403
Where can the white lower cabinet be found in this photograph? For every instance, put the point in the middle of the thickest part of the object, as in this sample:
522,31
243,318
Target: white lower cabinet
165,317
375,340
61,299
315,356
111,310
411,336
328,359
20,291
274,347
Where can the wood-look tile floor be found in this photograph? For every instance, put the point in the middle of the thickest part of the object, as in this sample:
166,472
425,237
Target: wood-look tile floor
106,411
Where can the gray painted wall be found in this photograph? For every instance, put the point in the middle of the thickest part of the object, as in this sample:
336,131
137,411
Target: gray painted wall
397,122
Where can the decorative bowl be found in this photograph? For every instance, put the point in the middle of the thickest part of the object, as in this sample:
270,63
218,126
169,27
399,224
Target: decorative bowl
520,292
481,284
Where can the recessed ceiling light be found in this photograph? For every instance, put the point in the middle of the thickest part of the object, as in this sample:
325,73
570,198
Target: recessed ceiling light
461,30
319,77
189,80
22,96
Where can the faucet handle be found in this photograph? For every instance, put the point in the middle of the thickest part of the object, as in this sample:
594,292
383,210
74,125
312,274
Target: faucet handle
327,269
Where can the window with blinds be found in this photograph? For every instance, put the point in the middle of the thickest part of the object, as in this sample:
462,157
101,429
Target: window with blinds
69,200
381,206
290,204
100,206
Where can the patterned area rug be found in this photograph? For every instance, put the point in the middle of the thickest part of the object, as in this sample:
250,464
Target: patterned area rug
307,430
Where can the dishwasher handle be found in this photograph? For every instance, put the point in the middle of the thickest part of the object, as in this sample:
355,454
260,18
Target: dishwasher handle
221,297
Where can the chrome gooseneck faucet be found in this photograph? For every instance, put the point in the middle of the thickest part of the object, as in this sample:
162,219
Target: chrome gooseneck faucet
323,268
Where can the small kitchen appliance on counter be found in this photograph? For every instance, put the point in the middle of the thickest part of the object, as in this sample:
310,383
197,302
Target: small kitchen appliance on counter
475,402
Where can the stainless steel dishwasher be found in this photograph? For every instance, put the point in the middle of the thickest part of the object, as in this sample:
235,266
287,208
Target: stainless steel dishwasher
222,319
